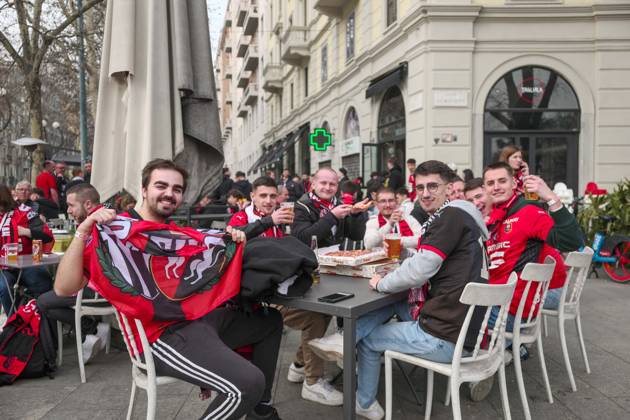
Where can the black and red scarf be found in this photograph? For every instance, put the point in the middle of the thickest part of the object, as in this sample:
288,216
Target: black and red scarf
499,213
403,227
253,214
324,206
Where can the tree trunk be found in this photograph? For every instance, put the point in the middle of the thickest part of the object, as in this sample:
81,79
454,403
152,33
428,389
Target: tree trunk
91,62
37,132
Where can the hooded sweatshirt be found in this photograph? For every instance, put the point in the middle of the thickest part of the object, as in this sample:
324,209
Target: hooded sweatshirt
451,254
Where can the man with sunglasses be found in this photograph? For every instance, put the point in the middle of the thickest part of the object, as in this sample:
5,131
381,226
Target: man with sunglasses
390,218
450,255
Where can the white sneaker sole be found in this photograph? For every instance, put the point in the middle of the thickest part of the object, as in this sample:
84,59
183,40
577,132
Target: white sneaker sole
309,395
480,390
326,352
295,377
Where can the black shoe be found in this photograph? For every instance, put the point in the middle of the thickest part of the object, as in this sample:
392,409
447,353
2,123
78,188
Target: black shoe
263,412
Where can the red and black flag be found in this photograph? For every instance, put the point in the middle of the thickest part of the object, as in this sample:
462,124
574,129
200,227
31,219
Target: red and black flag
159,272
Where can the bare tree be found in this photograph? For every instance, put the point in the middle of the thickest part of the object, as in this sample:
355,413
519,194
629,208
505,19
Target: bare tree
29,28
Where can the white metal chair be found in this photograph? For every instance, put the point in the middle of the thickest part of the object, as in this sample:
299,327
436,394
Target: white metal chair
569,308
83,307
526,329
142,372
476,366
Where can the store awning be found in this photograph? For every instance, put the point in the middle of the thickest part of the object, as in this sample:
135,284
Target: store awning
295,136
387,80
259,162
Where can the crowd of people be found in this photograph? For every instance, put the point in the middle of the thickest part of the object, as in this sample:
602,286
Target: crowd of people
454,230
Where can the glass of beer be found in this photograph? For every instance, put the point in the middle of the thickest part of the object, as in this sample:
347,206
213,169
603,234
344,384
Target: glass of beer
393,245
11,252
288,205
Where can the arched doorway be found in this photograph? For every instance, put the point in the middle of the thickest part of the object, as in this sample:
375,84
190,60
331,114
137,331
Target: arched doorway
391,128
537,109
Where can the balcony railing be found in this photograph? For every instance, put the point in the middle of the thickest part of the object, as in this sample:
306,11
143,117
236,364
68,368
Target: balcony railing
295,45
241,12
243,78
272,76
251,94
251,20
252,57
243,45
242,110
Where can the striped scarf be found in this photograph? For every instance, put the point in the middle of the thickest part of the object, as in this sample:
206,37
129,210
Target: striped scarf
418,295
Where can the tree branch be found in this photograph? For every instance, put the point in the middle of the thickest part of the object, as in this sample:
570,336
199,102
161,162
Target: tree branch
17,58
37,21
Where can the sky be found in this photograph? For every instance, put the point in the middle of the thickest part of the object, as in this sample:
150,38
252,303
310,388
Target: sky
216,13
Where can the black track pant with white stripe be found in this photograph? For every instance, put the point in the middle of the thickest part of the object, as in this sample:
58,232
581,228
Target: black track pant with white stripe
200,352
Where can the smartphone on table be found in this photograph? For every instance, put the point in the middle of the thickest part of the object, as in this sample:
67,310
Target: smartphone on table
335,297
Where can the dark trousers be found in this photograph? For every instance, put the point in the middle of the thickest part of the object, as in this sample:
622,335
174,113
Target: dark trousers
37,280
59,308
201,352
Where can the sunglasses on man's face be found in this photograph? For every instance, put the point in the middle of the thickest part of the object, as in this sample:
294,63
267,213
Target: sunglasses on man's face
431,186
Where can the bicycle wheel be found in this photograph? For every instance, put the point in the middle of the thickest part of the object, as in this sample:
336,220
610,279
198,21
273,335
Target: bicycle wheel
620,270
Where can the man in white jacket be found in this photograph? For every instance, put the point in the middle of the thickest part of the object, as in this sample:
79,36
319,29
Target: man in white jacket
390,218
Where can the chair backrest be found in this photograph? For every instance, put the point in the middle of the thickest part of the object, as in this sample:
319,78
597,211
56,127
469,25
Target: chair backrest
488,296
96,299
537,277
579,263
132,348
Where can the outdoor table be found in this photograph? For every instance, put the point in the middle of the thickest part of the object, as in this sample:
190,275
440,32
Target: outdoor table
190,217
25,261
364,301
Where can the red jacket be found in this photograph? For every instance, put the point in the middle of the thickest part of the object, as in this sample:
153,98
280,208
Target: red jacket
26,217
520,238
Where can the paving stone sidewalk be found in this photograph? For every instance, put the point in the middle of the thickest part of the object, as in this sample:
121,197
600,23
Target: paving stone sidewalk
601,395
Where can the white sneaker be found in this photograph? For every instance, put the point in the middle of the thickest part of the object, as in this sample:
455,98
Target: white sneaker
296,374
102,332
479,391
373,412
329,347
322,392
91,346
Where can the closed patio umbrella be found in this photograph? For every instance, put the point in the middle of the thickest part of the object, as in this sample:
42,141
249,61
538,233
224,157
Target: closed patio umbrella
157,96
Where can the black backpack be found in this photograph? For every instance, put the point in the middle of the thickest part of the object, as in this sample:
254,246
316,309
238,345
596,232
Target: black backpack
24,354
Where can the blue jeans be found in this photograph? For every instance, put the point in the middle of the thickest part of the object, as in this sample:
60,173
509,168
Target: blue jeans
405,337
368,322
552,300
36,279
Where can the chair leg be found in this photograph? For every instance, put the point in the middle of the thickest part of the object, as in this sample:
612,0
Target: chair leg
519,378
543,367
565,353
504,394
151,400
545,325
447,397
77,333
131,399
388,387
59,343
578,324
457,411
427,411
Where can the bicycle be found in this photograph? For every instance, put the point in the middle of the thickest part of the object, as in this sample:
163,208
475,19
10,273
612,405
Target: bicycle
612,251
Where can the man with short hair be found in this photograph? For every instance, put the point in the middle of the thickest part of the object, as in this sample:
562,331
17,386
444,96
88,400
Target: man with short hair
46,182
450,255
62,182
411,167
242,184
390,218
476,194
458,189
87,175
320,214
23,191
82,200
219,196
199,350
403,200
77,178
263,218
283,194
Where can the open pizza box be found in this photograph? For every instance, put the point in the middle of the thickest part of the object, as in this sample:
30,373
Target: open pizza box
355,263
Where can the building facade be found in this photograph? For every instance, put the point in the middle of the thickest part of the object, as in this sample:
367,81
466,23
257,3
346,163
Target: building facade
449,80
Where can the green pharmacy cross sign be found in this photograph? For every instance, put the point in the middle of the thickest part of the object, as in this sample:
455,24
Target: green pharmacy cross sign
320,139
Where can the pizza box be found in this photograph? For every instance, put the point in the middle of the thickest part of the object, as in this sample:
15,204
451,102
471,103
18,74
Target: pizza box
368,270
350,258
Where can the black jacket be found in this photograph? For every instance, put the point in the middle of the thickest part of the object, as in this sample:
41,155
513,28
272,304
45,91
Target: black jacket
267,262
308,223
47,208
244,186
395,179
220,194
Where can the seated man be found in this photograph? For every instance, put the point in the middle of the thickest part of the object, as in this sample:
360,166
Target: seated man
476,194
404,201
390,218
82,199
320,214
19,224
458,189
522,232
262,218
450,255
198,351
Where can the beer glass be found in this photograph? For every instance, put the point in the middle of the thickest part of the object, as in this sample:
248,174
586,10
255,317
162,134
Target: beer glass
11,253
393,245
288,205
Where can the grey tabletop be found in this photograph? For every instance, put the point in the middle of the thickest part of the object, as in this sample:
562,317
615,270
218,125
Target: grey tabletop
364,300
26,261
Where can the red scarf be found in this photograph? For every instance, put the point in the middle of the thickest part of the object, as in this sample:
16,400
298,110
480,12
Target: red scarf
499,213
405,230
272,232
324,206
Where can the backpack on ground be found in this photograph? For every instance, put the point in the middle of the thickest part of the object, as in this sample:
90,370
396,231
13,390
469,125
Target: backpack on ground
27,346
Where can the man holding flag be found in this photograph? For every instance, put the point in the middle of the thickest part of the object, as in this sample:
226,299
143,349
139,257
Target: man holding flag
175,280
